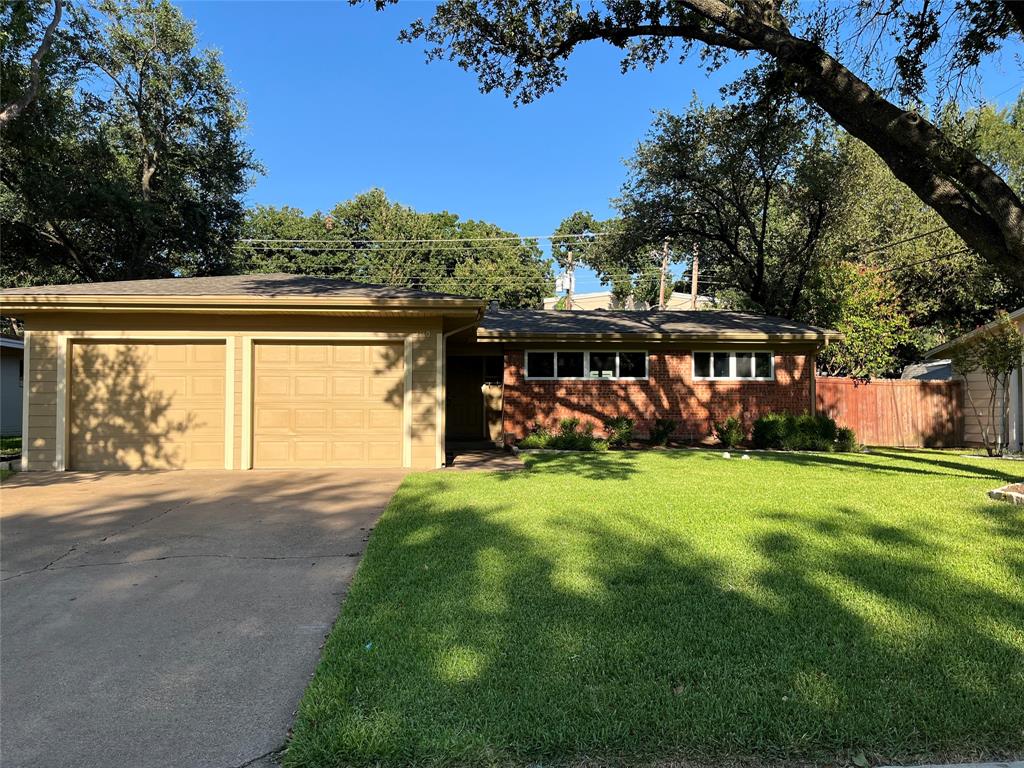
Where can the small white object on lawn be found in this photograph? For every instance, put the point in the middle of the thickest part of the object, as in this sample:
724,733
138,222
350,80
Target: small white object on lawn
745,456
726,455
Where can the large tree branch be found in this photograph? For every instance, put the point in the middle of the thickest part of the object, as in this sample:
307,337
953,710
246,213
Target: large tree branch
11,110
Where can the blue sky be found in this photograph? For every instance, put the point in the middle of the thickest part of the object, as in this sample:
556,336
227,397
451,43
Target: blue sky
337,106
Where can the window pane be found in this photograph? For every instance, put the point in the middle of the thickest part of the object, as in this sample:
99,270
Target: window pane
633,364
540,364
744,365
602,365
570,365
721,365
763,365
702,364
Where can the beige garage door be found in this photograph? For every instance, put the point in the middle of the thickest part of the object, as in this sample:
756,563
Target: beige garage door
153,405
327,405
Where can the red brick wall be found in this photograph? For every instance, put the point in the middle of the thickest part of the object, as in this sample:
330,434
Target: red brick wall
669,392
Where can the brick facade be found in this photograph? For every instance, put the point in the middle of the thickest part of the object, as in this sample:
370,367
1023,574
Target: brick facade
669,392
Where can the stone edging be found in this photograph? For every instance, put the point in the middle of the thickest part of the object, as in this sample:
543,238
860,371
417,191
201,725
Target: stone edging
1005,494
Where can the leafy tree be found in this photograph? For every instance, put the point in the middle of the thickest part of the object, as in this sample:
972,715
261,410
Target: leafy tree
753,184
373,240
129,160
521,46
997,352
863,306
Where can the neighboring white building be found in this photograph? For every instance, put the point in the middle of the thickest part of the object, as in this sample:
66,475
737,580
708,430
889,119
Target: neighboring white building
977,391
606,300
12,385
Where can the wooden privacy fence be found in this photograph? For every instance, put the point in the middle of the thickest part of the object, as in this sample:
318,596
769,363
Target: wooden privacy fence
895,412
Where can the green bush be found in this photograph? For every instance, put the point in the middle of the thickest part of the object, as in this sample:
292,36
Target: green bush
662,430
571,436
846,440
730,432
620,431
770,431
538,438
785,432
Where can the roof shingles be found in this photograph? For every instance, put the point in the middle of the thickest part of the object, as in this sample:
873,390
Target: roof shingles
710,324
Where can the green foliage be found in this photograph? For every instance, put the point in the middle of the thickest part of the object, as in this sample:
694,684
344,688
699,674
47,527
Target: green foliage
862,305
943,288
730,432
996,351
619,430
356,241
753,183
846,440
786,432
571,436
662,430
130,162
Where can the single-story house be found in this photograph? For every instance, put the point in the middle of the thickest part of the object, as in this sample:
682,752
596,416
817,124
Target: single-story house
277,371
12,383
1010,430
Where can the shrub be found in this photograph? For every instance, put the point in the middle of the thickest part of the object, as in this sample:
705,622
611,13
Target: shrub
571,436
770,431
729,432
538,438
620,431
662,431
846,440
784,432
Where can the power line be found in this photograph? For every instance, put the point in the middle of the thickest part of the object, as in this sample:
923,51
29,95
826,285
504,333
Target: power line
886,246
486,238
923,261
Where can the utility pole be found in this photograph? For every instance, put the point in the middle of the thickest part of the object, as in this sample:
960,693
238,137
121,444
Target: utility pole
664,272
569,281
693,277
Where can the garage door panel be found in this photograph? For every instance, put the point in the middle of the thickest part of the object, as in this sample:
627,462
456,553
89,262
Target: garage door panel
340,404
310,386
146,406
349,386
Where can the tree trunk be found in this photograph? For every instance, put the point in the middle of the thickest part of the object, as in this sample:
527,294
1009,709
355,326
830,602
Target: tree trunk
972,199
11,110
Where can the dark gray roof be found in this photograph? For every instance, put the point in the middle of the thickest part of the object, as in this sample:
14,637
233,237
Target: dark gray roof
268,286
701,324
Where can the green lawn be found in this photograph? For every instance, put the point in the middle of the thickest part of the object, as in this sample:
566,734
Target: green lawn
633,607
10,446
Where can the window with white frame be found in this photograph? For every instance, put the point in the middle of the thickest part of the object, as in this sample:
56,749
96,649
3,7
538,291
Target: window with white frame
586,364
733,365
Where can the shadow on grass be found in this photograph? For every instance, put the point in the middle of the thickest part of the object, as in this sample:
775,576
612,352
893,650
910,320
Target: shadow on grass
476,636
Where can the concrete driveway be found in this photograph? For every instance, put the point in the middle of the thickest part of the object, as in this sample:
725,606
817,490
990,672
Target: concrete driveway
170,618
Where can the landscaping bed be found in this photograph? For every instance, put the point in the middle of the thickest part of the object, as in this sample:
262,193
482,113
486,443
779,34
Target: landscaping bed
623,607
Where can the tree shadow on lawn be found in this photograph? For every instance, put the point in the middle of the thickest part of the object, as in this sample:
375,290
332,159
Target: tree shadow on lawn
614,465
476,635
893,461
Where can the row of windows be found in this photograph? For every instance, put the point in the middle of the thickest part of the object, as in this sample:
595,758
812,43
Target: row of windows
586,365
577,364
733,365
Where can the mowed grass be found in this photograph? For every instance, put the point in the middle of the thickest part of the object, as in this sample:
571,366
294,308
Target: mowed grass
636,607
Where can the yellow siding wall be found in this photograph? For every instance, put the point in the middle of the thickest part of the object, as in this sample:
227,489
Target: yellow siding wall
44,329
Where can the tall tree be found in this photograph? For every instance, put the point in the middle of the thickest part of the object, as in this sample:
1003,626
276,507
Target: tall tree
129,160
753,184
374,240
521,46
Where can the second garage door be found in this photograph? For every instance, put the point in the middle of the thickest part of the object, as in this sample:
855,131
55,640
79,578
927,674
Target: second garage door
327,405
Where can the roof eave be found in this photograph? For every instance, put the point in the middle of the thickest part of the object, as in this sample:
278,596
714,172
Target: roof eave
262,304
504,336
952,343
